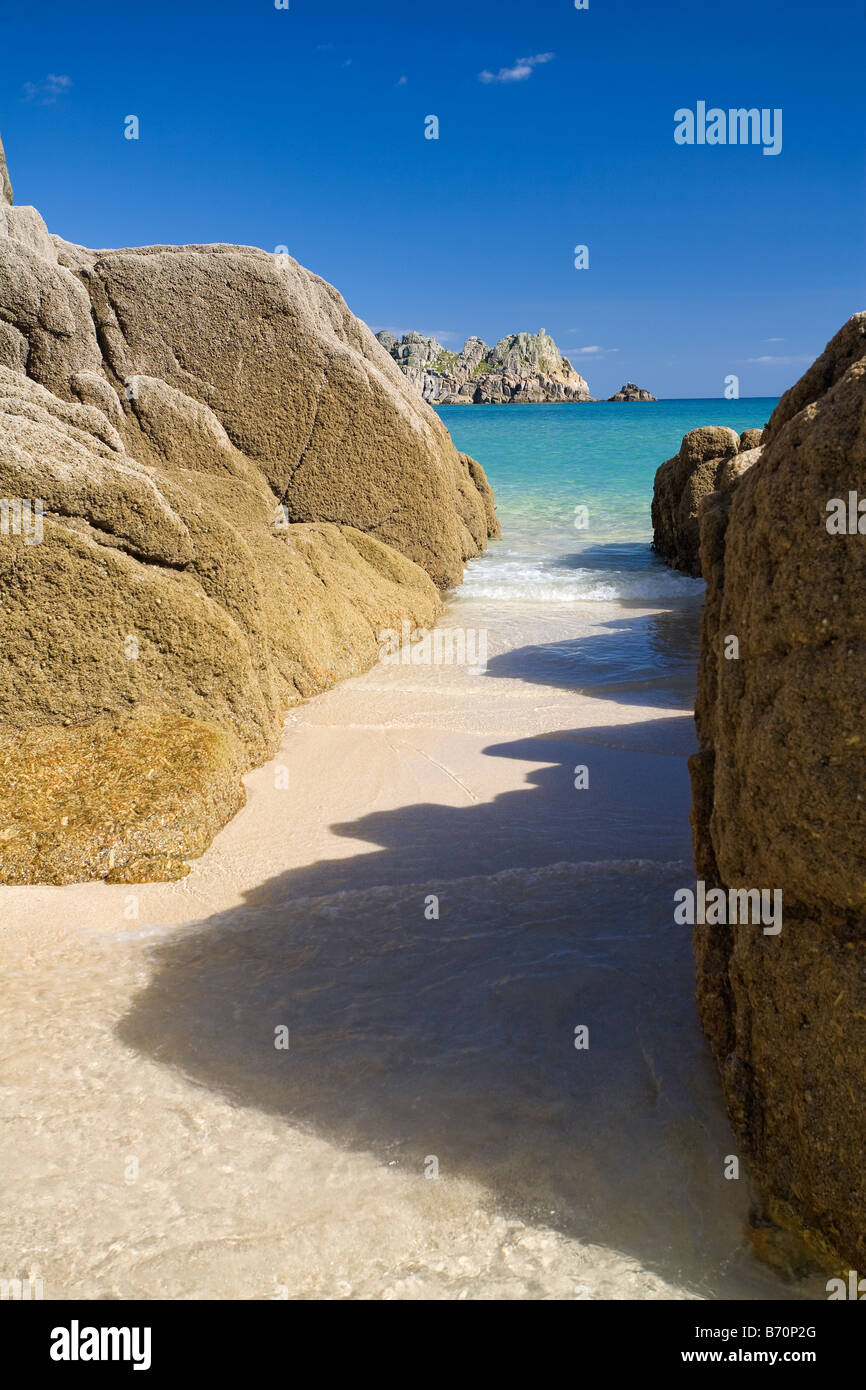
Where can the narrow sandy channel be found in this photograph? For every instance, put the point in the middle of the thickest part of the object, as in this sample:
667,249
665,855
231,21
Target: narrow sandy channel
157,1144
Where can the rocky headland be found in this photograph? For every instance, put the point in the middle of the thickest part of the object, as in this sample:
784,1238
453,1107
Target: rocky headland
218,489
779,785
524,368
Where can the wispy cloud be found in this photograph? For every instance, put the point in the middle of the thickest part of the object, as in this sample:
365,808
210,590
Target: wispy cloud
775,340
593,351
402,82
768,361
519,73
48,89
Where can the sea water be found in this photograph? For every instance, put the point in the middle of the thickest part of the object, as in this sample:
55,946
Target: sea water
573,487
573,594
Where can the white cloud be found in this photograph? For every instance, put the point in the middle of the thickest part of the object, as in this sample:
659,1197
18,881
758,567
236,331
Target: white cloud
768,361
593,351
519,73
48,89
774,340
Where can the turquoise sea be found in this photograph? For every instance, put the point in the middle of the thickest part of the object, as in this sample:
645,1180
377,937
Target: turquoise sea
544,461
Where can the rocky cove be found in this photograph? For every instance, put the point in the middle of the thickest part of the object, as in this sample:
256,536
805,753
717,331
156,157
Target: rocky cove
238,829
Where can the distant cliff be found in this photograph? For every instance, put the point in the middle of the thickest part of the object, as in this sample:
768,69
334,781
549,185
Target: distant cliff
524,368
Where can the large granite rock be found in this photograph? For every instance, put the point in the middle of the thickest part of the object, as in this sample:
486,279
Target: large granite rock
780,803
239,491
710,459
524,368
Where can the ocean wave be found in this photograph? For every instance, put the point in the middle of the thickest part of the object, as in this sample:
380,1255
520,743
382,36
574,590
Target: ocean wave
540,582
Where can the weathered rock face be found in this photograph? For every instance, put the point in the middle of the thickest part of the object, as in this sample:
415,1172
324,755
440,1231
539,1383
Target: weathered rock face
630,392
414,351
239,491
525,368
780,803
710,460
751,439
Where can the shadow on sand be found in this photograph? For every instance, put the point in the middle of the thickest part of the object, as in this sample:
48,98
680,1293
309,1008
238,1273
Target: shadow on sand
622,663
455,1036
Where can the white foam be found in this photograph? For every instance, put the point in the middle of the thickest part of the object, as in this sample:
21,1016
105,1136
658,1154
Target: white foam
536,581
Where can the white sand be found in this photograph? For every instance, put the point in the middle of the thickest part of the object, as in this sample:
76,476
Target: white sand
155,1142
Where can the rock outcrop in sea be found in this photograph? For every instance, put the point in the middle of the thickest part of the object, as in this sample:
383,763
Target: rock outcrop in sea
218,489
630,392
524,368
710,460
779,802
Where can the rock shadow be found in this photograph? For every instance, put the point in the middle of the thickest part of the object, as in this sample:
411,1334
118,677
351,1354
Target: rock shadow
454,1036
648,659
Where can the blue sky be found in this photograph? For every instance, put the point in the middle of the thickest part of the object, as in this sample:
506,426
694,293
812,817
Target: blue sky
305,128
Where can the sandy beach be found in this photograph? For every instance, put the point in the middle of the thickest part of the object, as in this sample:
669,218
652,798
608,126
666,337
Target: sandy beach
158,1144
432,769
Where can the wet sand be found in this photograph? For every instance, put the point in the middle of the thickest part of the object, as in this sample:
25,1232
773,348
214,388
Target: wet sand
157,1144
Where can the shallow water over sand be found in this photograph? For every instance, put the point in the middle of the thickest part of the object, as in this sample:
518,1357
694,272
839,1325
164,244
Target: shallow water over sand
144,1049
156,1142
